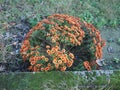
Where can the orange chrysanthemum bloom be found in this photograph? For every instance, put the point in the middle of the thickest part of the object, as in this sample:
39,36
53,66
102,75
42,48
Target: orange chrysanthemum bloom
48,47
60,62
87,65
71,55
63,68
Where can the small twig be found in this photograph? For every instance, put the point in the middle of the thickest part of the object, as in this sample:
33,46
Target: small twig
70,49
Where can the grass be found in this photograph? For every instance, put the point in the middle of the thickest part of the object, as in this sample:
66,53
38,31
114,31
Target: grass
60,81
97,12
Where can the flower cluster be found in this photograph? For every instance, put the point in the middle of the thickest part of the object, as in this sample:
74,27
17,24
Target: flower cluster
61,59
46,44
98,44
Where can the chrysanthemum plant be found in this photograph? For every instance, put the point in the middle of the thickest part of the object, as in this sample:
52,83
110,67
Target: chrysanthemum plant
54,43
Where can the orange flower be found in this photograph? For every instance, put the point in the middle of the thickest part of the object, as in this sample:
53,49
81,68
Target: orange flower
53,50
71,55
46,59
47,68
87,65
53,40
32,52
80,39
56,65
23,46
25,49
42,57
38,65
57,48
27,55
48,52
37,26
35,69
48,47
64,60
46,21
99,46
69,64
63,68
31,59
33,62
54,60
49,65
63,50
103,43
37,53
39,57
26,42
72,40
60,62
48,34
96,55
42,69
94,41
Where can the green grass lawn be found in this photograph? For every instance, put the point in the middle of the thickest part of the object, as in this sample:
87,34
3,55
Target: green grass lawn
95,80
97,12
